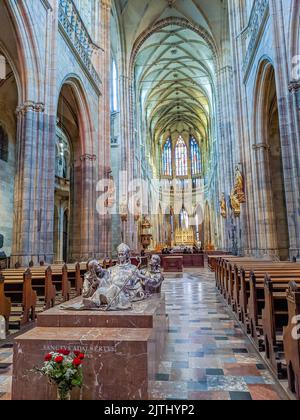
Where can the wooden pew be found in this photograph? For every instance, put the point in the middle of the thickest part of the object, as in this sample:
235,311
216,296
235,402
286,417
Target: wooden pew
20,292
18,289
241,286
75,276
275,318
61,281
227,276
213,260
41,281
69,278
254,294
43,284
290,341
5,303
224,265
29,298
263,307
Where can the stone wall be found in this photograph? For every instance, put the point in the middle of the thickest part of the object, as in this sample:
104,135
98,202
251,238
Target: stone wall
52,57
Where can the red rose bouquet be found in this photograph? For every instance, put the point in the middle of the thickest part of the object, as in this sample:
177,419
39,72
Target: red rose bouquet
64,369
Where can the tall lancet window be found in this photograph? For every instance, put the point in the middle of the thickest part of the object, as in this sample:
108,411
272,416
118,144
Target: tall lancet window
195,157
167,158
114,86
181,156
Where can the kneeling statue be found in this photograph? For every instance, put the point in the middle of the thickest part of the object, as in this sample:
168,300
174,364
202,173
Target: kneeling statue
153,278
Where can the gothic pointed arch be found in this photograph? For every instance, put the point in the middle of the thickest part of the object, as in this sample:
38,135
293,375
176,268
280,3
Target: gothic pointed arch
74,184
80,109
28,58
272,225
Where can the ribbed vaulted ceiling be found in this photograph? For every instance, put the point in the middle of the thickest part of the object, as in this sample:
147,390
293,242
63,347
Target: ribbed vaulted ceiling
174,72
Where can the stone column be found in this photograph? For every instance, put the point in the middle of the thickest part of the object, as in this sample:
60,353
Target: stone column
288,125
225,147
127,149
294,89
103,222
265,220
33,235
82,234
241,118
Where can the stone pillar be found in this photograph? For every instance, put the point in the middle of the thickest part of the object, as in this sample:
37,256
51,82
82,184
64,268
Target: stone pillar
225,148
127,149
288,128
103,222
294,89
33,214
242,124
82,234
267,241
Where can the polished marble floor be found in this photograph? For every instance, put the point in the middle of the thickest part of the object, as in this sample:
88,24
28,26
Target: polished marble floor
207,356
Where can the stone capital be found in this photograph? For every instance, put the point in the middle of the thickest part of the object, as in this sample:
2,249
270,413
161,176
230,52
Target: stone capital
30,106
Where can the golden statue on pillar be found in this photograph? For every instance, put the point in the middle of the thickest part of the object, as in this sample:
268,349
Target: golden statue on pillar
240,186
235,203
237,196
223,206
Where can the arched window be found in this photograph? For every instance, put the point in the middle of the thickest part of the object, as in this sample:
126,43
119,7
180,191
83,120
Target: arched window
195,157
181,157
3,145
114,91
167,158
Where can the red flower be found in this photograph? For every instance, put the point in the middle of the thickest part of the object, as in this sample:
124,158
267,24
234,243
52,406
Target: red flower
77,362
64,352
81,356
77,353
48,357
59,359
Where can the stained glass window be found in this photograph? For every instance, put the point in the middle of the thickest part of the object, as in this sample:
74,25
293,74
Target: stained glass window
167,158
195,157
181,157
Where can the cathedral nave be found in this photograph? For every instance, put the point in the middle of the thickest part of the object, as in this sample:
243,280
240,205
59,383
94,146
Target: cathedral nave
149,200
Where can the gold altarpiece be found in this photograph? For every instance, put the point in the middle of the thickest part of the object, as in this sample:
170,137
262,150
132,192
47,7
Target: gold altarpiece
185,237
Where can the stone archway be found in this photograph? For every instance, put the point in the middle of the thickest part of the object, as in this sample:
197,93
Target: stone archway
270,189
74,189
10,93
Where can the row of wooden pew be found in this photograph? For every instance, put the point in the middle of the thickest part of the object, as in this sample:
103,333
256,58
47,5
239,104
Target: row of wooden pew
266,297
24,291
